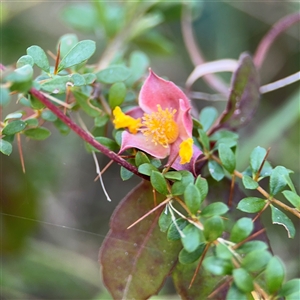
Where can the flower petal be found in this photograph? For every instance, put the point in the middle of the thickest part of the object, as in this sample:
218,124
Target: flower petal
141,142
159,91
174,151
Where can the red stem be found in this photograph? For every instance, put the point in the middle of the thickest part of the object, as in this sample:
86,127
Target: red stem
274,32
84,135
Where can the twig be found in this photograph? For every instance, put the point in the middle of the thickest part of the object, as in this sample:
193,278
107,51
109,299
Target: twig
222,65
280,83
279,27
84,135
194,51
149,212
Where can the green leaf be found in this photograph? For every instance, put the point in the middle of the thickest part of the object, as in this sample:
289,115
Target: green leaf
141,158
155,162
35,103
227,158
251,246
39,57
293,198
274,274
4,96
57,84
33,122
138,64
14,127
81,16
146,169
278,217
186,257
125,174
192,238
234,293
217,266
113,74
266,170
223,252
159,182
179,187
173,233
256,260
89,78
78,80
201,184
135,247
5,147
67,42
62,127
278,180
81,52
241,230
251,204
107,142
243,280
204,284
207,117
39,133
192,198
215,170
249,183
82,100
204,141
165,220
25,60
256,158
14,115
224,135
173,175
213,228
101,121
214,209
292,287
117,94
48,115
20,75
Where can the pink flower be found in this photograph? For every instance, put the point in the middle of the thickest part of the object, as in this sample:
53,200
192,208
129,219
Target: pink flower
161,125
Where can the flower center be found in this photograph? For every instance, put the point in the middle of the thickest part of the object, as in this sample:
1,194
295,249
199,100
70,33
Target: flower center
160,126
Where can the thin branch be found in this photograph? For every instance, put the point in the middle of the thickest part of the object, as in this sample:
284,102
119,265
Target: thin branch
280,83
292,210
266,42
84,135
194,51
149,212
236,246
222,65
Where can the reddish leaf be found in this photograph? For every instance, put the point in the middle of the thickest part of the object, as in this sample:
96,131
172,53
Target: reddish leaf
136,261
244,96
204,283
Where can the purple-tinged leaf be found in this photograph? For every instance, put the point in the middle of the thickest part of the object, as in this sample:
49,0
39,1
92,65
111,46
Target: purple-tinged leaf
244,96
136,261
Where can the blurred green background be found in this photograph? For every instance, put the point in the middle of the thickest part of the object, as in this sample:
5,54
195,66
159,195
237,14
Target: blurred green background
55,217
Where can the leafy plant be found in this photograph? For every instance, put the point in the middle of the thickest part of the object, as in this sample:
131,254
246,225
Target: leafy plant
170,224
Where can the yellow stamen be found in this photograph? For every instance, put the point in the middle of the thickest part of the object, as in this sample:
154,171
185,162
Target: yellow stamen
160,126
123,121
186,150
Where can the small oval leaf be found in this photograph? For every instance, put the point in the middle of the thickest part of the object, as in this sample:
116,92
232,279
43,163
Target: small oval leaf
39,133
81,52
14,127
39,57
